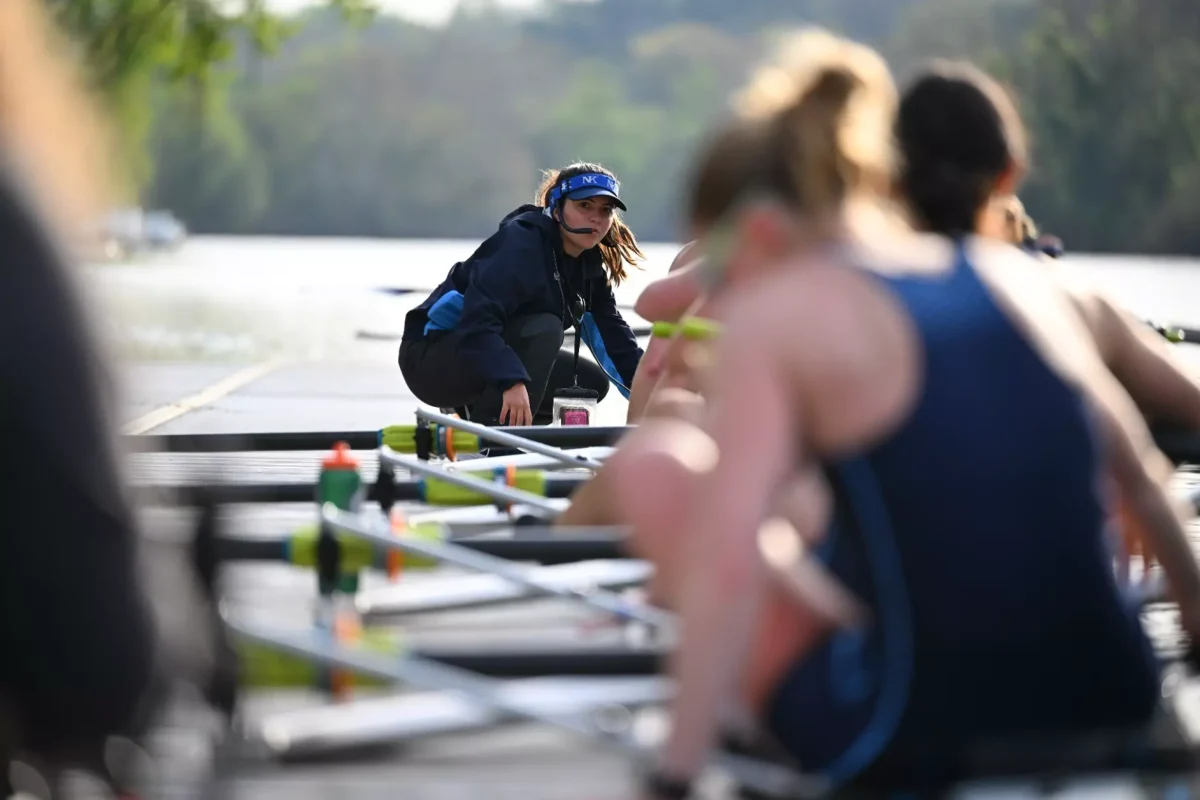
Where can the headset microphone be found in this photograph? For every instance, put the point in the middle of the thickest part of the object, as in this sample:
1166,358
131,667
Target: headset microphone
554,212
569,229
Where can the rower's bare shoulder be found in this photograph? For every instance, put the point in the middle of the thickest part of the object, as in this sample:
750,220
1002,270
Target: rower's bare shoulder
1038,305
849,349
1053,320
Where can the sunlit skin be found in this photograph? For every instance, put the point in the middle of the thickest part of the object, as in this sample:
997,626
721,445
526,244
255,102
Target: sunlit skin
679,488
672,371
596,213
995,223
650,368
667,383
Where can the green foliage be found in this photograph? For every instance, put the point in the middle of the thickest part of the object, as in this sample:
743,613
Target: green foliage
128,45
257,124
982,31
1108,88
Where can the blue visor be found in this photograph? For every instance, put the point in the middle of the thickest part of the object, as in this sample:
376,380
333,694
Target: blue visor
590,184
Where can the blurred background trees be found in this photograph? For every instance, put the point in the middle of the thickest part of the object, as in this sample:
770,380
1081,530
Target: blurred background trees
340,122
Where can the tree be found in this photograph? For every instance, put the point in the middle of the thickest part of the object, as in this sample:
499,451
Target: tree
982,31
400,130
1108,91
128,45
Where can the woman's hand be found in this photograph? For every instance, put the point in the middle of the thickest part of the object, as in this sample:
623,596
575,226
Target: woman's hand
515,410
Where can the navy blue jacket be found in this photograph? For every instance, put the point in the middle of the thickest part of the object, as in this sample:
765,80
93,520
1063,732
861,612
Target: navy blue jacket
512,274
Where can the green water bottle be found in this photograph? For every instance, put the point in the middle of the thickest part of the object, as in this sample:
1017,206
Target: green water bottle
341,484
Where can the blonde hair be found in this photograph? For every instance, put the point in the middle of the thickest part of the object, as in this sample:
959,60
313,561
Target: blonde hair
812,128
50,126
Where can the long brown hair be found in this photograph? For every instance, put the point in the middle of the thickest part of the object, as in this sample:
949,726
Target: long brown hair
619,246
812,129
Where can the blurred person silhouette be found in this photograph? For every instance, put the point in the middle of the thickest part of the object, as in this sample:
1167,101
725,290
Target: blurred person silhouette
79,630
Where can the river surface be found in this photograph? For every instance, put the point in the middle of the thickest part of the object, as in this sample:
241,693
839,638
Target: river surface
243,299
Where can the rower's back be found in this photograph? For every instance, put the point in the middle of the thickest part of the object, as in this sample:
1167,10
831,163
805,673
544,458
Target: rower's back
976,528
975,531
961,412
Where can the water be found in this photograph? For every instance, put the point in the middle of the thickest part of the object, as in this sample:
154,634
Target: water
247,299
243,299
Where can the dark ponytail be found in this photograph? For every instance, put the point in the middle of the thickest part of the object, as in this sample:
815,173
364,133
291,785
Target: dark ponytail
958,133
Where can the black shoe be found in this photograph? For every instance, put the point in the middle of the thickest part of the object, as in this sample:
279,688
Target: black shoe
490,420
463,412
496,452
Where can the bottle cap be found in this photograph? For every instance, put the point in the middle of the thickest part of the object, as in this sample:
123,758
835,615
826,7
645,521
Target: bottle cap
340,457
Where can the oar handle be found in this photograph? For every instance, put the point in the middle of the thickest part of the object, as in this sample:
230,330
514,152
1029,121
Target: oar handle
692,328
1177,334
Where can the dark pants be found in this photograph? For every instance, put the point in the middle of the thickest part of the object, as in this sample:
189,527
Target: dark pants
438,375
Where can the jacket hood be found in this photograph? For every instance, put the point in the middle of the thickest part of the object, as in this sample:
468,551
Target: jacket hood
532,214
535,216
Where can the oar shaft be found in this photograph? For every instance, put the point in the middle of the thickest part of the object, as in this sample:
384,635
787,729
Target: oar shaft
750,773
355,525
548,551
696,329
493,489
415,491
1178,334
265,668
406,669
510,439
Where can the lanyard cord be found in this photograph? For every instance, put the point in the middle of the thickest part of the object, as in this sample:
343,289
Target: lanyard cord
558,279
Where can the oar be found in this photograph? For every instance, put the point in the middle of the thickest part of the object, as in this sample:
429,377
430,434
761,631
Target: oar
697,329
268,669
546,546
505,486
510,439
448,489
1178,334
753,774
374,530
401,438
461,592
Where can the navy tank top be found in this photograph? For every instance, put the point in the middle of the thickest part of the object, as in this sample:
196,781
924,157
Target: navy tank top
977,534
